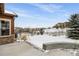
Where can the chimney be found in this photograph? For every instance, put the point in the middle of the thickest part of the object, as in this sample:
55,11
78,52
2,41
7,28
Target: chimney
1,8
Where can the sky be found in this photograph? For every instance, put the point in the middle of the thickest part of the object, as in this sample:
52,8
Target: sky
41,14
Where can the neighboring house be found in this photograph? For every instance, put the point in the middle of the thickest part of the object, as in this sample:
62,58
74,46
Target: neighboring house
7,34
62,25
55,32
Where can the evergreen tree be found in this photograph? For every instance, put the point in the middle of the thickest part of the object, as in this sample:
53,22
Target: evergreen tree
73,32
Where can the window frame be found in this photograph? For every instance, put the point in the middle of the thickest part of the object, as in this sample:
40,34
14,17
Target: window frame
9,20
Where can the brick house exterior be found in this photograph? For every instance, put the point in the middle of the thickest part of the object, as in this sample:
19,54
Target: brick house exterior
7,34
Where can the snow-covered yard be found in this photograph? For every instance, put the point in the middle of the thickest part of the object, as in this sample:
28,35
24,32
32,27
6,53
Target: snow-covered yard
39,40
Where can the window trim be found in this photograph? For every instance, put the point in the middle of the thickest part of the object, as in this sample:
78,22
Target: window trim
2,19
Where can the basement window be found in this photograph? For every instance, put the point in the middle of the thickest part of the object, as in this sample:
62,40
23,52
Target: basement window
4,28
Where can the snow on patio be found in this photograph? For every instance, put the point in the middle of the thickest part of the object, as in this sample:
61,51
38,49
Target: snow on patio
39,40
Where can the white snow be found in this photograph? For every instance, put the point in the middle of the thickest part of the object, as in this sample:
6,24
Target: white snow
6,11
55,30
50,30
39,40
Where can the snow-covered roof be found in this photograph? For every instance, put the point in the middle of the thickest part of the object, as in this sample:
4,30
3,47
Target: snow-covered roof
9,12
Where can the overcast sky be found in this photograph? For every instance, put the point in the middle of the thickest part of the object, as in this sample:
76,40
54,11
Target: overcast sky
41,15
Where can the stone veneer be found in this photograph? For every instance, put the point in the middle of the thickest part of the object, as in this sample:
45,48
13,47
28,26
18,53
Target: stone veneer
50,46
7,39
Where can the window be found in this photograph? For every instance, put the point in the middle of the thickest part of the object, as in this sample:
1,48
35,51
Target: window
4,28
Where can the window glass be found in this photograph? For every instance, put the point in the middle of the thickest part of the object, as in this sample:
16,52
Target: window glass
4,28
